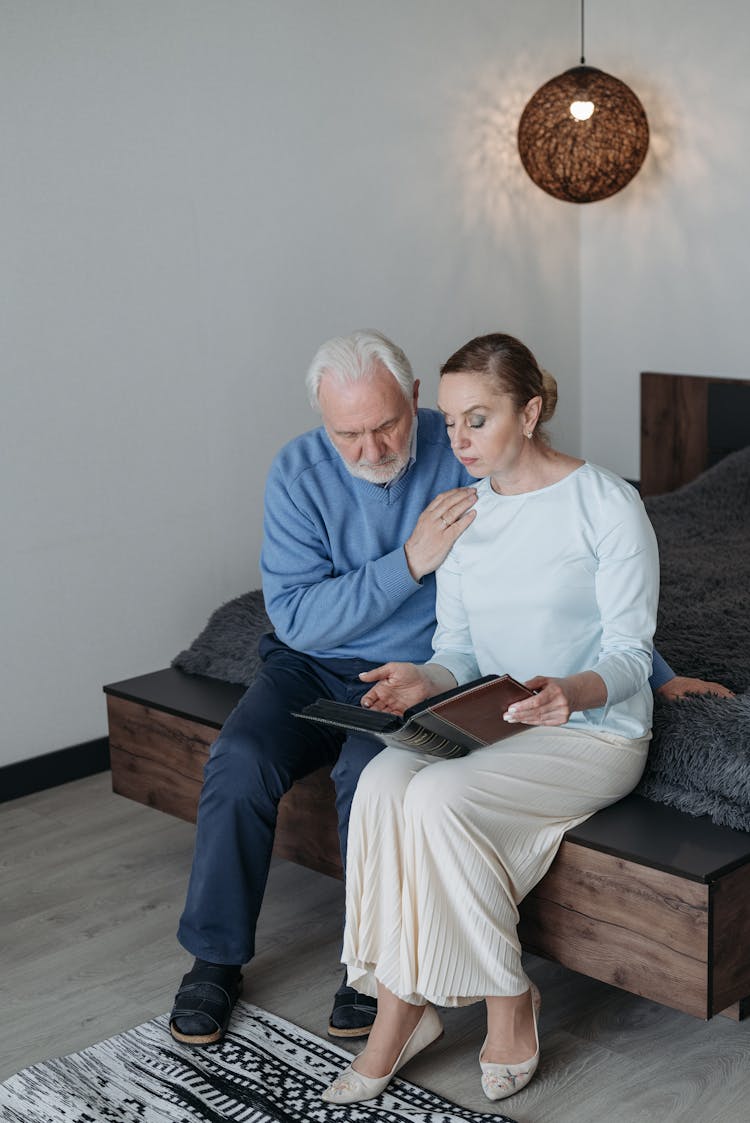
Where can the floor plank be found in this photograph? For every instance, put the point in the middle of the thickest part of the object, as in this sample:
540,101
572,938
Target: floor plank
92,888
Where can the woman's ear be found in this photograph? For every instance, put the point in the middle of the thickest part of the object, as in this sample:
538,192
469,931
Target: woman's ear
531,413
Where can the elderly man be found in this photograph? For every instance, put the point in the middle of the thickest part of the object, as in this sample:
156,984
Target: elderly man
359,513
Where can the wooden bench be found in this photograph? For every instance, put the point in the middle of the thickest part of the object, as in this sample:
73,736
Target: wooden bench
640,896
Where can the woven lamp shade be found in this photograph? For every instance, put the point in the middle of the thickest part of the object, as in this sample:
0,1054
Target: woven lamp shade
583,160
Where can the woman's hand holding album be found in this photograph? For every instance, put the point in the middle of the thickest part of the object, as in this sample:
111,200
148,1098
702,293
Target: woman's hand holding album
557,698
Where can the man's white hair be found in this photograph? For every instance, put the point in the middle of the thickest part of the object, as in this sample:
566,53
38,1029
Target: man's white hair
350,358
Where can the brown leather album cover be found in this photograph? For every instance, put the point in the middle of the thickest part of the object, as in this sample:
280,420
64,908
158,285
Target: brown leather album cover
477,711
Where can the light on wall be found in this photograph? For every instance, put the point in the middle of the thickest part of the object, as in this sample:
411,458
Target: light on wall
583,135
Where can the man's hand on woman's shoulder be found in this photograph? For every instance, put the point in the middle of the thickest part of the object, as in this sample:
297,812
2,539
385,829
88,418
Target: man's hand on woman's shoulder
437,528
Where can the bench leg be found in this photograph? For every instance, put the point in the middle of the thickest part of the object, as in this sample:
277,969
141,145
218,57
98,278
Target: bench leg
738,1010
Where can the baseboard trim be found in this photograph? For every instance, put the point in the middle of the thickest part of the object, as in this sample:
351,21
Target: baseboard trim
52,769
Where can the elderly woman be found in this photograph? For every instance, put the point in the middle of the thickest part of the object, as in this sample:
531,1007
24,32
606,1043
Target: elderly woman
556,583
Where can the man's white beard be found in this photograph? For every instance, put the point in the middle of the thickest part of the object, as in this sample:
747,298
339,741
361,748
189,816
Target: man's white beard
381,473
389,468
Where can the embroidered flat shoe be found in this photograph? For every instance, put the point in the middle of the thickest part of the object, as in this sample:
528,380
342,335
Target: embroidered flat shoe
351,1086
500,1081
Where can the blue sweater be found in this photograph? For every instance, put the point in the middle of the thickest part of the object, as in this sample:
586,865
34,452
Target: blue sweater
335,578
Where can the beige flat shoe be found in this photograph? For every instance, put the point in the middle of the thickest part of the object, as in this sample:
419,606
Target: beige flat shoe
501,1081
353,1087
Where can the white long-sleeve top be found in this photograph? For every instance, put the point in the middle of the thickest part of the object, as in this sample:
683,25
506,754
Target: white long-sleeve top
554,582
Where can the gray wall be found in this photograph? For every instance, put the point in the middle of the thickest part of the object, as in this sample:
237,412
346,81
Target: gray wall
665,264
195,194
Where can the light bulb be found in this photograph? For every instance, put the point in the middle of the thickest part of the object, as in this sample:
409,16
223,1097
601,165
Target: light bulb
581,110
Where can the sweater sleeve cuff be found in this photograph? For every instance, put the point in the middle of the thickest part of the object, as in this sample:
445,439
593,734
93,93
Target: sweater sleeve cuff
661,673
462,665
622,675
394,575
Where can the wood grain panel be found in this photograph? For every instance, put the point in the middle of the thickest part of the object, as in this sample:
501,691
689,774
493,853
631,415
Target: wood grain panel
157,759
688,422
632,926
730,908
674,432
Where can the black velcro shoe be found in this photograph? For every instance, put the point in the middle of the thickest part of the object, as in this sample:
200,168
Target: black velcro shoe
203,1005
353,1013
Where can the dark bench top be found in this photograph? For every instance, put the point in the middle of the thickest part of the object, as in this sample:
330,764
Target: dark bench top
195,697
634,829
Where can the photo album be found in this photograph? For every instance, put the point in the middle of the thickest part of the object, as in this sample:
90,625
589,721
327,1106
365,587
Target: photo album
447,725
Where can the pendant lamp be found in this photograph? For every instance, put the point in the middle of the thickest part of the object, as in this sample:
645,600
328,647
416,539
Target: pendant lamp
583,135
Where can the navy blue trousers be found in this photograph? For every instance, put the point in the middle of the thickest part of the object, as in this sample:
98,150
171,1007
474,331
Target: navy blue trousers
258,755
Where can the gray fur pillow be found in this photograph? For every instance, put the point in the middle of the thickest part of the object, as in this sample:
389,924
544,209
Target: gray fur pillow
699,760
227,648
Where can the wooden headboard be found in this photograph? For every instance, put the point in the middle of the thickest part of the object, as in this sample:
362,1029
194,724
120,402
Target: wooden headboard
688,423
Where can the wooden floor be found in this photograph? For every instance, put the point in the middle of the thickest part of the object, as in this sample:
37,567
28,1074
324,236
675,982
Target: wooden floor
92,886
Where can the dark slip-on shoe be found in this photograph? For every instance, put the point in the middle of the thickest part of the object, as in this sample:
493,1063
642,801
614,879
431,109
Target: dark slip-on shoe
203,1005
352,1014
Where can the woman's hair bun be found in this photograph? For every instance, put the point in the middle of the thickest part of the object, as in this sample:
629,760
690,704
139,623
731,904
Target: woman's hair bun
549,395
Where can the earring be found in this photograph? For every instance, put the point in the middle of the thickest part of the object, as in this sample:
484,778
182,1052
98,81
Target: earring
530,435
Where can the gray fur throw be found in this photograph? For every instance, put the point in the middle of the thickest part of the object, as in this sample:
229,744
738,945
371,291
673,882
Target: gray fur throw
699,760
227,648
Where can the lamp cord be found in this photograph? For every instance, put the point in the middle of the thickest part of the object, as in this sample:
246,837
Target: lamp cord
583,60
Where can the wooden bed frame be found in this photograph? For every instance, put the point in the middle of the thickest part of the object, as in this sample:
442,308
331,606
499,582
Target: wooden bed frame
640,896
688,423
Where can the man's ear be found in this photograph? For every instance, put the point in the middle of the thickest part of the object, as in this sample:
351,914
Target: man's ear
415,397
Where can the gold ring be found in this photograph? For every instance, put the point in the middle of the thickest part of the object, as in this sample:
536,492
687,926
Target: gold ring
444,521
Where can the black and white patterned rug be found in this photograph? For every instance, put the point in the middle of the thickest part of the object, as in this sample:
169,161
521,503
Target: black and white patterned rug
265,1071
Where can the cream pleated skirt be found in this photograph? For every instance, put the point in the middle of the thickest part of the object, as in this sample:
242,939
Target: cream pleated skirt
441,852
